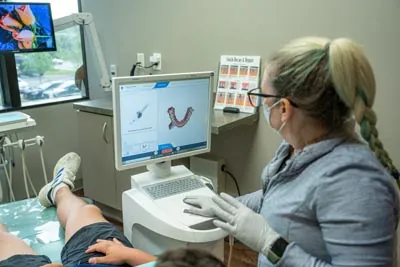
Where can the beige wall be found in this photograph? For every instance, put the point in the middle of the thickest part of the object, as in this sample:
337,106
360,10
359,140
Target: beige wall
191,35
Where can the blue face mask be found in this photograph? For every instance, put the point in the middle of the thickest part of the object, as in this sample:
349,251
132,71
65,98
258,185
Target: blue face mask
267,114
267,111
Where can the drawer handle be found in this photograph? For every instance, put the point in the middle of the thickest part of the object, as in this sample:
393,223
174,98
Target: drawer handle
105,133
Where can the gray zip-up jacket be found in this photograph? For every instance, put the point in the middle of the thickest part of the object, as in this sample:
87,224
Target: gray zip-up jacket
334,202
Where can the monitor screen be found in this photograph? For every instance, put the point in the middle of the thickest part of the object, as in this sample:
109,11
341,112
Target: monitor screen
163,118
26,27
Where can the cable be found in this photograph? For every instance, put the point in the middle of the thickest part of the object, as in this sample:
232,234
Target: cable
43,166
11,163
223,168
148,67
27,178
132,73
39,141
139,65
12,197
12,152
8,174
24,174
231,243
30,181
11,175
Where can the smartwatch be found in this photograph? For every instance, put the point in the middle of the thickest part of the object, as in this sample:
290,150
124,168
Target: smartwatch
277,250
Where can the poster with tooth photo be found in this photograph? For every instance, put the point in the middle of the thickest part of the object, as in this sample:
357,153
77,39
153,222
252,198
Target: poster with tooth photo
236,76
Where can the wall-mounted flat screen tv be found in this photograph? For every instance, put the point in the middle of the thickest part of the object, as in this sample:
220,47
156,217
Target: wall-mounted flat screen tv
26,27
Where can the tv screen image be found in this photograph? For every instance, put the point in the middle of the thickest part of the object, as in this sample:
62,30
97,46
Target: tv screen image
26,27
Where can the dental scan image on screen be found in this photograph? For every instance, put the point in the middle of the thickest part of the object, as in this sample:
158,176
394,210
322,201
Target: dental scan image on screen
159,119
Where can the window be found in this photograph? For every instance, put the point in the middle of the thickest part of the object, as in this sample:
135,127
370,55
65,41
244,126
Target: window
1,96
48,77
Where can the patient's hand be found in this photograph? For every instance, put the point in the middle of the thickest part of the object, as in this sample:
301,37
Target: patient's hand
115,252
53,265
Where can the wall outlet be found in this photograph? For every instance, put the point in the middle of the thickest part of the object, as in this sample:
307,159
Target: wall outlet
140,58
156,58
113,70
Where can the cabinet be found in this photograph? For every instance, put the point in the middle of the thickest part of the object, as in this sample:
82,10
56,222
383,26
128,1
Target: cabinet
101,181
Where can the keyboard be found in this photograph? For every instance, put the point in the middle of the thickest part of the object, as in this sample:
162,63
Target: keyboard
173,187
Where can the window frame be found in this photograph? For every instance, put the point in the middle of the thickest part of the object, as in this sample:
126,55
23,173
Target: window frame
9,79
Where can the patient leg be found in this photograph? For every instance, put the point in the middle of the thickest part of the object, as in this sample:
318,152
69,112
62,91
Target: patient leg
73,213
11,245
3,228
84,224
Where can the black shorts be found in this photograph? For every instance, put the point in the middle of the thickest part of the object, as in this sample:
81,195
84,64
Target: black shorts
25,260
74,250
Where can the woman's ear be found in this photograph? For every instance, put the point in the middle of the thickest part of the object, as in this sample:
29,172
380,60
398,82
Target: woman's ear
286,109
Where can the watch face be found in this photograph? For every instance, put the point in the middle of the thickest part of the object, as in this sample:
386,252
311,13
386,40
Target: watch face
273,258
279,246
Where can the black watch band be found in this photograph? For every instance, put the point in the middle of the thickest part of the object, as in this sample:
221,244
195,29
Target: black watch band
277,250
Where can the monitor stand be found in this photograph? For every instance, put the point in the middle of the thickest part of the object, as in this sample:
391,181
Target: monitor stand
160,170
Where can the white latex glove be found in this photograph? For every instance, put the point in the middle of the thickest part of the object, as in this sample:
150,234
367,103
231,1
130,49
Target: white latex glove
247,226
200,205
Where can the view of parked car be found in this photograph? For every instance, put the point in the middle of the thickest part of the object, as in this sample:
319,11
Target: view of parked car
57,61
23,86
67,88
36,93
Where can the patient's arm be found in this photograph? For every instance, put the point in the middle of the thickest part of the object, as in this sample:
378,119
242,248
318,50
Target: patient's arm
53,265
117,254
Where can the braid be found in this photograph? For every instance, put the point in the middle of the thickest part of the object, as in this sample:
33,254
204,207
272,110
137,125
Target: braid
366,118
329,79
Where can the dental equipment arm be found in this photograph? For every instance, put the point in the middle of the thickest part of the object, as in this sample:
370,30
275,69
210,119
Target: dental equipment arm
86,19
22,145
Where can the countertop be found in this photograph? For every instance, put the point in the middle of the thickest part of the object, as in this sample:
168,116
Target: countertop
221,121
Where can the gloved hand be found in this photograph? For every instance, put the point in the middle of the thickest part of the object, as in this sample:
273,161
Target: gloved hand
200,205
247,226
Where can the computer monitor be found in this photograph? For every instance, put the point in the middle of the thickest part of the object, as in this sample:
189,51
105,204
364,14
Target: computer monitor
26,27
159,118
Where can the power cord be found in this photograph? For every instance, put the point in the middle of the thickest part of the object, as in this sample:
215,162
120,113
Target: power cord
139,65
223,168
231,243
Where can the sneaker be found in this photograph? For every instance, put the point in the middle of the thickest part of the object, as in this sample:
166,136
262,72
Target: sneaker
64,175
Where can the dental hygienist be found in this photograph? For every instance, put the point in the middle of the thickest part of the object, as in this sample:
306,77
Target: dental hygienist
328,197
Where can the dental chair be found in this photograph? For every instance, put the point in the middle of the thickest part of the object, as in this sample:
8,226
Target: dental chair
37,226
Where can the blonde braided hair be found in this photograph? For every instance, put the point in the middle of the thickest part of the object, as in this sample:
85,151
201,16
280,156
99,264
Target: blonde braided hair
358,92
330,80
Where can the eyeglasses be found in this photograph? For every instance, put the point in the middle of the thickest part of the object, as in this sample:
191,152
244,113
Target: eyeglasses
256,98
